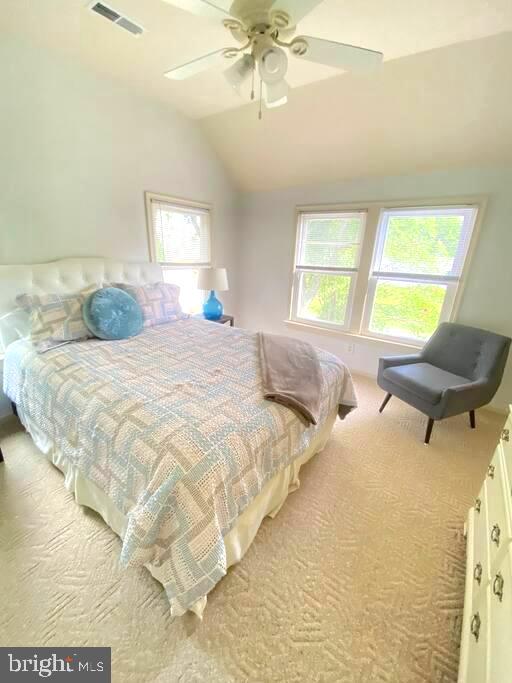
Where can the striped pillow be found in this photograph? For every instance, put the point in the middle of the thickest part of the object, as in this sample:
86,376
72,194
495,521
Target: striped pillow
56,318
160,302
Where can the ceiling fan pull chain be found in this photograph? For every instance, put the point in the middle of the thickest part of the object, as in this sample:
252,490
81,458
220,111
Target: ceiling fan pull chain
252,81
260,113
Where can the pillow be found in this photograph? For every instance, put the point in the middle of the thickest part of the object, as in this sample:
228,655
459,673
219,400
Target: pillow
111,313
55,318
160,302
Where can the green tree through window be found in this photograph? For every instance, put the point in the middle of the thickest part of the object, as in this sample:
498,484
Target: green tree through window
417,264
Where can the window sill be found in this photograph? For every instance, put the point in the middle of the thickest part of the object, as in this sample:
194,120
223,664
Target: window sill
351,335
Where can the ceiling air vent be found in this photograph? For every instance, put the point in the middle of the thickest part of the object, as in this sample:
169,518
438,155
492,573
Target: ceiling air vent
108,13
130,26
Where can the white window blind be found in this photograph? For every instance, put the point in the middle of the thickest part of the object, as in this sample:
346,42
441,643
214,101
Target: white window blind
181,234
418,260
326,266
179,239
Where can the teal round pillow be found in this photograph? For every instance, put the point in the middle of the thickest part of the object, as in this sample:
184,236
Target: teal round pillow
111,313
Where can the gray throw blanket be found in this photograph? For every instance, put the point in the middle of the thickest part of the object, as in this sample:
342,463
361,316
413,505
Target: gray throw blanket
291,374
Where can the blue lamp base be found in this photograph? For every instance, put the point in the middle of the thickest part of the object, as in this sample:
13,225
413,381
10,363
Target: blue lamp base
212,307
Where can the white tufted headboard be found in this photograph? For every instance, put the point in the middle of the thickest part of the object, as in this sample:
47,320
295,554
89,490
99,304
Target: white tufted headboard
64,276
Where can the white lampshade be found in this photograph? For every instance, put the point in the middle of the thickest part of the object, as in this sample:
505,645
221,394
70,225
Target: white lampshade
213,278
239,71
276,94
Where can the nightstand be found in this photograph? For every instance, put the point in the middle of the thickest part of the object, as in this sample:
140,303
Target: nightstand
223,320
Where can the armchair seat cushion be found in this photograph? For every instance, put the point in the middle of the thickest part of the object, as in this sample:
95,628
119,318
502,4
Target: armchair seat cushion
424,380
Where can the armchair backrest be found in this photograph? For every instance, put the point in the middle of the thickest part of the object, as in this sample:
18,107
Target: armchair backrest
468,351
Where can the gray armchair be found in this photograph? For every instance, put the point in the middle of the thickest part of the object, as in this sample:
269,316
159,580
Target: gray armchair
458,370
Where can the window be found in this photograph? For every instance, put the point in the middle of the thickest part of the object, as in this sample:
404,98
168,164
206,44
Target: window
328,251
417,265
179,239
393,273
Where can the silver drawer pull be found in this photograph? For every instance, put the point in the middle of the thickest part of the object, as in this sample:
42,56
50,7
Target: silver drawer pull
477,573
495,534
478,504
490,471
497,586
475,625
505,434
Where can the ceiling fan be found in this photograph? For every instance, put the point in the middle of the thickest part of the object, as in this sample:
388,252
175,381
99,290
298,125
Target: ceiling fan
265,29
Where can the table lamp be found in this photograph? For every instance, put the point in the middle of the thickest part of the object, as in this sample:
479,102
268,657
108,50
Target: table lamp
212,279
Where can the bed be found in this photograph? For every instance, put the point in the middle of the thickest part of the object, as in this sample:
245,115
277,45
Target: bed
167,434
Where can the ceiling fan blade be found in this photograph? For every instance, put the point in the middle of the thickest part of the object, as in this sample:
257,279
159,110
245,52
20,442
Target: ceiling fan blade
196,66
339,55
215,9
276,94
295,9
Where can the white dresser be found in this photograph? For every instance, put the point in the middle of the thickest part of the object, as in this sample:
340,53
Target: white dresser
486,645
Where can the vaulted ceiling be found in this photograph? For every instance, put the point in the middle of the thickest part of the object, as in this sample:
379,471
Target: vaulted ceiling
442,96
444,108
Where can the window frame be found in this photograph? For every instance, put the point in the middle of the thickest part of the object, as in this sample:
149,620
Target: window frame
358,323
185,205
451,282
299,269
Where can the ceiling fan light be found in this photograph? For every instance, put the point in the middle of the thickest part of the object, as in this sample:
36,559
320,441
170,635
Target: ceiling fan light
273,64
239,71
276,94
277,103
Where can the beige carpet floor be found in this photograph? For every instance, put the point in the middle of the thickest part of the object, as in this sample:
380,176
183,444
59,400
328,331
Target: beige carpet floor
359,578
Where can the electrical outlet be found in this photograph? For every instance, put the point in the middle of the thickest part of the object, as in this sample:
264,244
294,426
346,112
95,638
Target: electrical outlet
351,348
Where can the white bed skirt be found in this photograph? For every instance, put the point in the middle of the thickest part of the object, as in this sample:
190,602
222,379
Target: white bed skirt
266,504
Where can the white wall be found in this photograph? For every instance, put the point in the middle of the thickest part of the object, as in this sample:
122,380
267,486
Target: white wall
268,238
77,153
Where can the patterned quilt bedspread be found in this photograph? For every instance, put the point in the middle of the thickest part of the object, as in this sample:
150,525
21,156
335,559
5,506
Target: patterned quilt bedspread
173,427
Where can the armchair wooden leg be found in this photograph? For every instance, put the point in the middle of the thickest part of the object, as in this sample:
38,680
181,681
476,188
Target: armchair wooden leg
14,408
385,402
429,430
1,456
472,420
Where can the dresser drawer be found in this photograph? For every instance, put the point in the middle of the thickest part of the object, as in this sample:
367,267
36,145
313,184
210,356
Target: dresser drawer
478,633
506,435
500,618
498,514
486,639
480,569
506,447
468,598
